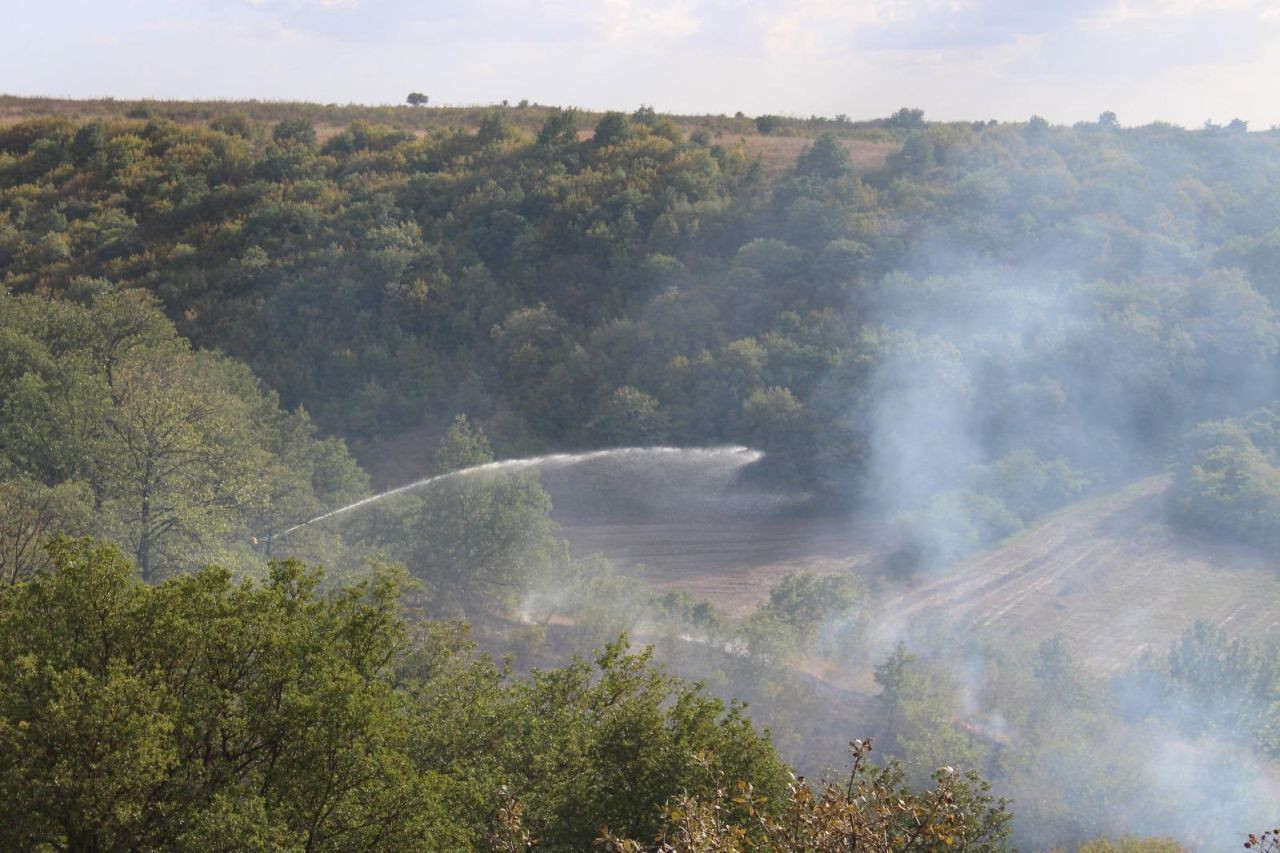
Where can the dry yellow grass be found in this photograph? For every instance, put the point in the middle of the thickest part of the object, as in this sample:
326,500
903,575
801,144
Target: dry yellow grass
779,152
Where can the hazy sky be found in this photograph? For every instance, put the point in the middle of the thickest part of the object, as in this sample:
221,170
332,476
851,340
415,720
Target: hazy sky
1175,60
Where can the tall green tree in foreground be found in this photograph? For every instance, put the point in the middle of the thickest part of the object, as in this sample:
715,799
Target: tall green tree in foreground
203,713
111,424
179,455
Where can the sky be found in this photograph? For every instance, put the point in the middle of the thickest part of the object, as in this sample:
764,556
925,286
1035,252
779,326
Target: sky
1182,61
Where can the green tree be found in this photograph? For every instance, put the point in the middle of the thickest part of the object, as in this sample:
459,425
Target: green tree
302,477
1224,686
178,456
916,156
89,143
179,448
825,158
907,119
1226,485
495,127
767,124
559,129
807,603
478,541
31,513
205,714
52,423
917,707
873,811
775,421
234,124
628,417
294,131
463,446
612,129
614,741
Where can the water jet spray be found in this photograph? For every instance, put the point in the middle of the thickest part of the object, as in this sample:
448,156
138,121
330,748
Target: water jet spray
746,456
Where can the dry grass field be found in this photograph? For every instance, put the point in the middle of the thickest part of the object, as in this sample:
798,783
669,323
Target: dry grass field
777,153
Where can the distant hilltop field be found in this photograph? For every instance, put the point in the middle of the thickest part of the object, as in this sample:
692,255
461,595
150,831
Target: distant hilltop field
777,139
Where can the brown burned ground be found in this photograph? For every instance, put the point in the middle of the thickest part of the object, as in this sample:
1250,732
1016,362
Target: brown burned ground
1109,574
732,563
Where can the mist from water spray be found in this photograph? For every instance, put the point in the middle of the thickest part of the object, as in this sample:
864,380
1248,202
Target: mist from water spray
742,456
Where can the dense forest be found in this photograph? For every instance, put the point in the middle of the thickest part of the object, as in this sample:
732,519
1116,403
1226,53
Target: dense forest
953,329
639,285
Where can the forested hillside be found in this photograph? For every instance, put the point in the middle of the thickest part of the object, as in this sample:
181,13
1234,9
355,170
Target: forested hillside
945,330
640,285
113,425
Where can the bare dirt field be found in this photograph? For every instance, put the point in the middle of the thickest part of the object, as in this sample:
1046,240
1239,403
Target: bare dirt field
1109,574
731,562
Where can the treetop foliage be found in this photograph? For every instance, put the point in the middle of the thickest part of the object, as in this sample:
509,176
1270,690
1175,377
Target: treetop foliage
207,713
559,289
181,455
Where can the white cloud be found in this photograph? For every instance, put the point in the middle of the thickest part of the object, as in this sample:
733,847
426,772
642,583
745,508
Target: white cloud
628,21
1180,60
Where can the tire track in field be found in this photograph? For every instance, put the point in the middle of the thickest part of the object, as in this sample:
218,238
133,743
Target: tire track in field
1108,574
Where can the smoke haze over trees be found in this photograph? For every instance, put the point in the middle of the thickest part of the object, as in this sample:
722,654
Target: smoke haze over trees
949,331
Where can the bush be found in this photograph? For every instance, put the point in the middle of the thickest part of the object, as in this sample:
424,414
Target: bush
1226,486
768,124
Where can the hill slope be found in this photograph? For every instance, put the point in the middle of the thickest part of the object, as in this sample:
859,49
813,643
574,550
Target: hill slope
1109,574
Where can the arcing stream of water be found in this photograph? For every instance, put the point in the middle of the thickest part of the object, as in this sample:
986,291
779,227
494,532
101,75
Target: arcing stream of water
739,456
